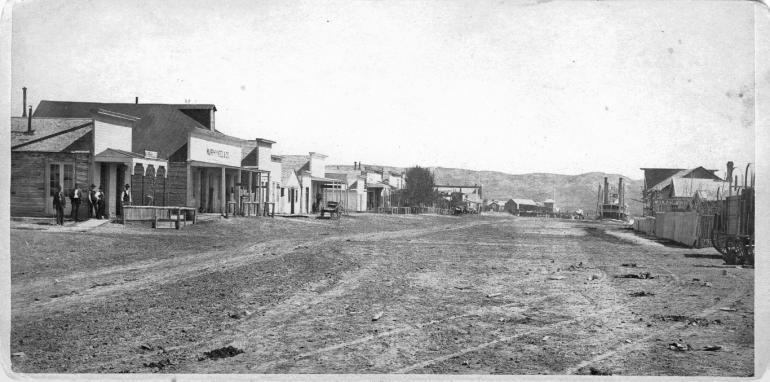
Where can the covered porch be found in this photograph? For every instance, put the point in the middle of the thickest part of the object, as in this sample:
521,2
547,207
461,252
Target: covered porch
377,196
147,177
326,190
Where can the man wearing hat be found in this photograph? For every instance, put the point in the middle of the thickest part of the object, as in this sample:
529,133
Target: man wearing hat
126,195
93,203
75,198
99,196
59,202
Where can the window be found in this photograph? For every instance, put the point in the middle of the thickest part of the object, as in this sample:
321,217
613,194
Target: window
61,175
283,192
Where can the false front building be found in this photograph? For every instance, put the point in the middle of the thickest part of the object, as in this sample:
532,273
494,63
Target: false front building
205,168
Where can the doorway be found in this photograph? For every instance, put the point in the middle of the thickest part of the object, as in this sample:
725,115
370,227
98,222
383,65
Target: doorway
119,177
60,174
292,192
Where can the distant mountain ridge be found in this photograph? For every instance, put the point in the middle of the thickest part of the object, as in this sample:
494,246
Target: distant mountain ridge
570,191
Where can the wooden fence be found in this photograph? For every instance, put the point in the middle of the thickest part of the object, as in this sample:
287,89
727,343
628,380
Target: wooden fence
645,225
688,228
178,216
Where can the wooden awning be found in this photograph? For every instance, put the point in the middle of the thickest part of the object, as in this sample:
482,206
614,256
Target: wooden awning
131,159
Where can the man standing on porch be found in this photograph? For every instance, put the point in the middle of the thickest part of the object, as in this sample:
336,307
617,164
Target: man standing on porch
93,207
75,203
126,198
58,204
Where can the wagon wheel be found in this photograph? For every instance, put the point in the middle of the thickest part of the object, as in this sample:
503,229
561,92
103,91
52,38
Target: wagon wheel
719,241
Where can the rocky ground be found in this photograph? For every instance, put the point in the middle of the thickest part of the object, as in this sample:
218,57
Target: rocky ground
376,294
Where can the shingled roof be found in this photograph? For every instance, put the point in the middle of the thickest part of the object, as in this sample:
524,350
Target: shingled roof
51,134
161,127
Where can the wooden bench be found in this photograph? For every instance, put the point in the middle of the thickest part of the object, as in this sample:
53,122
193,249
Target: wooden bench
156,214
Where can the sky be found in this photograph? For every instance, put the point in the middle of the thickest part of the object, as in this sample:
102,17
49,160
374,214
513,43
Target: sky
563,87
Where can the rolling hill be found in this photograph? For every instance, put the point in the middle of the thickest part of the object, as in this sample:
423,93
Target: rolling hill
571,191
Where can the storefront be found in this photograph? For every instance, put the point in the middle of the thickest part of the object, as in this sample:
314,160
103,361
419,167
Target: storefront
76,153
204,169
146,174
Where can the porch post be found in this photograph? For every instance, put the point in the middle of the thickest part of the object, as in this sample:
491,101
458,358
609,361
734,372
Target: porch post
251,184
268,188
223,191
189,185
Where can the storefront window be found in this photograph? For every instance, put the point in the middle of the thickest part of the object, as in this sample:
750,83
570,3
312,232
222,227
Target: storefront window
61,174
54,178
69,177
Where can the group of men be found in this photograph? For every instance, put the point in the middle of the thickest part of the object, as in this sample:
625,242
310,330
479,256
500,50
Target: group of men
95,199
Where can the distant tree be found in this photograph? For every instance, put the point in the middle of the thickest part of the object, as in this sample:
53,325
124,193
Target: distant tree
419,186
457,199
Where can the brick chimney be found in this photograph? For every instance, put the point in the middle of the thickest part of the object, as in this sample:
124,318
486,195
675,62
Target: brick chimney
29,121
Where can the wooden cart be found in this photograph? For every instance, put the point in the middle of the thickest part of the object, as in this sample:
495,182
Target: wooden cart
334,209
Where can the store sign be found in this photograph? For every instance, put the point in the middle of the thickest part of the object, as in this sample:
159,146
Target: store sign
213,152
150,154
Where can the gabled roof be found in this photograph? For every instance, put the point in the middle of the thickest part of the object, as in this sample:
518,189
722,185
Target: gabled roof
161,127
45,128
694,173
653,176
55,137
116,152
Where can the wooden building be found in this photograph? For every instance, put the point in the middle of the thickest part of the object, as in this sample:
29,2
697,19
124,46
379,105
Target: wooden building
204,165
94,148
314,185
522,207
669,189
290,191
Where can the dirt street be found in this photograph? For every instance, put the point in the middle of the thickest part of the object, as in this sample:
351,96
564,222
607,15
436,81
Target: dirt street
377,294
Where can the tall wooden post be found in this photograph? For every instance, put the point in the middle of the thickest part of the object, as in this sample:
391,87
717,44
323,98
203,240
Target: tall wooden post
223,192
251,186
268,188
239,185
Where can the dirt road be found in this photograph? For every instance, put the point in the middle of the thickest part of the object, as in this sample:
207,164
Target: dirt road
377,294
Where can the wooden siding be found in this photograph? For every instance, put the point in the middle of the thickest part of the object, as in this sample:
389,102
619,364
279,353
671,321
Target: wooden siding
688,228
29,180
176,184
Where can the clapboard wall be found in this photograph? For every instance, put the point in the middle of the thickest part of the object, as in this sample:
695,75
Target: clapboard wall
29,181
176,184
688,228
